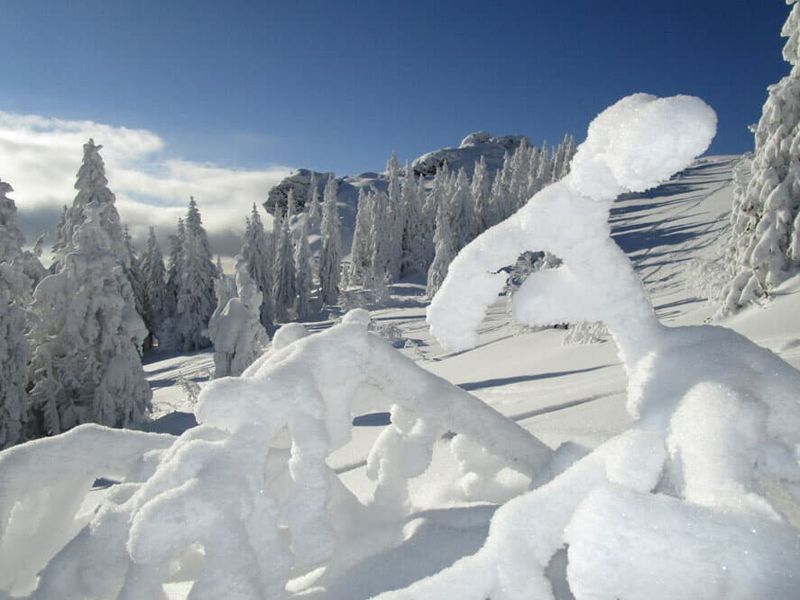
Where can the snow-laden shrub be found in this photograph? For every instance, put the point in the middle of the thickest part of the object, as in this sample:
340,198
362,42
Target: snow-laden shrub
246,499
701,497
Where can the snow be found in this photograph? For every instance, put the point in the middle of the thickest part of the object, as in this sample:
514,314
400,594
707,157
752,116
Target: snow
661,499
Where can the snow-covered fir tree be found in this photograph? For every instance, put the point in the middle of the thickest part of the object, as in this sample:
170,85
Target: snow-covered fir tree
195,290
86,337
330,257
312,204
461,211
415,231
133,271
236,330
445,251
14,349
154,278
393,220
766,215
481,188
283,276
257,252
174,269
360,248
92,186
303,267
380,237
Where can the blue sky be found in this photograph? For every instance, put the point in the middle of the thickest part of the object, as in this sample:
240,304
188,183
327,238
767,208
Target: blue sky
336,85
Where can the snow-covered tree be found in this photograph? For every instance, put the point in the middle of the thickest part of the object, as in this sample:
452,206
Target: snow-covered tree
380,237
481,188
304,281
195,298
257,252
86,337
312,204
133,271
174,268
360,249
766,211
14,349
283,275
330,257
393,220
92,186
236,330
461,209
445,251
415,231
154,278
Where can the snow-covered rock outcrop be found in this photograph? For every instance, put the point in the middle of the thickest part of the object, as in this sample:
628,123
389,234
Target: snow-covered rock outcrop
492,148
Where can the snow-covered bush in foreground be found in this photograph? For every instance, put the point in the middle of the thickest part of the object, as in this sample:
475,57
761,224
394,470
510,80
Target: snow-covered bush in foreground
701,497
246,499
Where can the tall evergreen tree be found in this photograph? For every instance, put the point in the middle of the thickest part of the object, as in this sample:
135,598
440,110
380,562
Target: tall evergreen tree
92,186
257,252
14,349
283,276
312,204
462,211
414,229
768,229
360,249
303,272
195,298
445,251
133,270
154,278
86,337
481,189
393,220
330,258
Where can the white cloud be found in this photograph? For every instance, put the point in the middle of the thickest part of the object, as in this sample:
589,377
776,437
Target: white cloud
40,156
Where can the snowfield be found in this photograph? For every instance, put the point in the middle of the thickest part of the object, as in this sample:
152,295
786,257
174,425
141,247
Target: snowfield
661,462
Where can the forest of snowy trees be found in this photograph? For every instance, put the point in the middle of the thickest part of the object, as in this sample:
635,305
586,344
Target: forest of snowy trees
77,331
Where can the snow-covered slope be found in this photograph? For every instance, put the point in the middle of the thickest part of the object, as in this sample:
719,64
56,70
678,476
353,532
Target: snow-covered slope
567,392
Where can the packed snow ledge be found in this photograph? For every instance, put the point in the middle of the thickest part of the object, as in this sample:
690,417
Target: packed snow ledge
699,498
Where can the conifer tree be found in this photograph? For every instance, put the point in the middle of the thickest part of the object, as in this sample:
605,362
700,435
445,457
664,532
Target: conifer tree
380,242
462,209
312,204
92,186
481,195
257,252
195,297
303,272
393,220
445,251
14,349
283,277
133,270
155,294
768,209
414,230
330,258
360,249
86,337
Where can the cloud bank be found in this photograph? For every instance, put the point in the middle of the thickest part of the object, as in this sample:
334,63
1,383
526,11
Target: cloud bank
39,157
